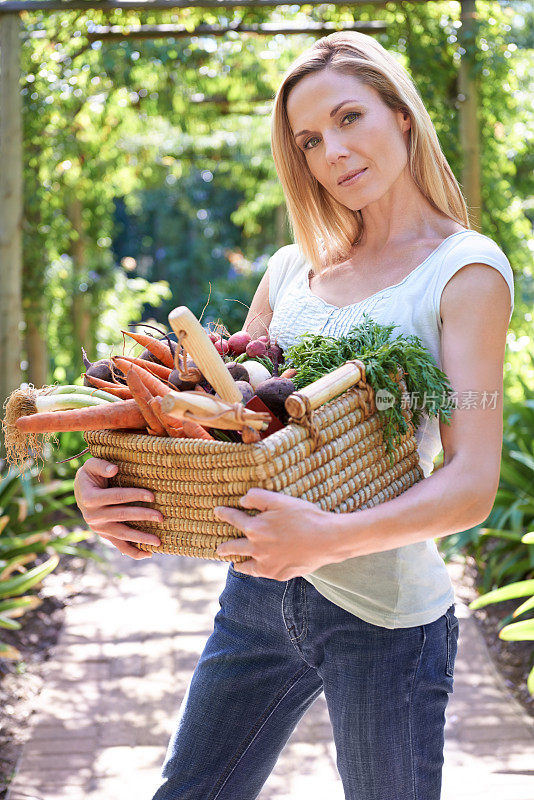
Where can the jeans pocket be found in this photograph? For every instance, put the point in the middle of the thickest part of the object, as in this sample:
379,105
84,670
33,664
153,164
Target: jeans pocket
233,571
452,640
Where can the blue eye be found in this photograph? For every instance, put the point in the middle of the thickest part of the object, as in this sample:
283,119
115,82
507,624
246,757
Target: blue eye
350,114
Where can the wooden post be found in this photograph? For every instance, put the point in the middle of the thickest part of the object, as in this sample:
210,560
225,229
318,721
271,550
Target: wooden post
10,206
468,104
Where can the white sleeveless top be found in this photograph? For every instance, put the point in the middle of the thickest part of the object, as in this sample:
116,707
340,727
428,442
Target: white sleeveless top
409,585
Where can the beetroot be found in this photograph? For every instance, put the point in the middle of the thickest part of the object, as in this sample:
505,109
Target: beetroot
238,342
276,354
237,371
182,386
101,370
274,393
246,390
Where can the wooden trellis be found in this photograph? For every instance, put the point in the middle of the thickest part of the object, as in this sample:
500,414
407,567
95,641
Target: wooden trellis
11,197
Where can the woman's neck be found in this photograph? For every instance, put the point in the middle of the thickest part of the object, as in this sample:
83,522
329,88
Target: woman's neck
400,216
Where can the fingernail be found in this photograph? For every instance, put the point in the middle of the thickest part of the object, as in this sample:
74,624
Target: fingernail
110,469
154,540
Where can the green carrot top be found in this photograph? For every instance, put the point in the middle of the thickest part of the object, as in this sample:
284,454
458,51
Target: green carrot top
427,385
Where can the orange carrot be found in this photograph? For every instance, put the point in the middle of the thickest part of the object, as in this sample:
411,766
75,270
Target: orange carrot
171,425
112,416
195,431
289,373
118,390
142,397
155,386
159,349
124,363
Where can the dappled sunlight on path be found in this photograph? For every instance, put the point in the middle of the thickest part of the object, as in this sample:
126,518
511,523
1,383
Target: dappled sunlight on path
121,667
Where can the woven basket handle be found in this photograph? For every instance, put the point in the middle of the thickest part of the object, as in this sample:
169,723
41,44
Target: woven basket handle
301,403
196,341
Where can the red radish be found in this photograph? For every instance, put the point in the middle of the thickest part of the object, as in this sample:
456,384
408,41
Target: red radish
264,339
212,336
238,342
256,349
221,345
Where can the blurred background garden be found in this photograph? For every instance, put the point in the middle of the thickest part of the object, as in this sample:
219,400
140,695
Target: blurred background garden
148,182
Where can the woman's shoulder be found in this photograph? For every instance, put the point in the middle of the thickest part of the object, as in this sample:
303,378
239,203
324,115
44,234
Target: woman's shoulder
471,247
471,243
283,265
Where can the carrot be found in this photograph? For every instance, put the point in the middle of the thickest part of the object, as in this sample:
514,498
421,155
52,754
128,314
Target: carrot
171,425
142,397
111,416
195,431
289,373
118,390
124,363
155,386
158,349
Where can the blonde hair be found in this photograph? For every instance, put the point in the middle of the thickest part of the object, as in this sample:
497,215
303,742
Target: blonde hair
324,228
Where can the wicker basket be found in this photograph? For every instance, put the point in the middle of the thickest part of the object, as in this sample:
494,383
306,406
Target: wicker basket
332,453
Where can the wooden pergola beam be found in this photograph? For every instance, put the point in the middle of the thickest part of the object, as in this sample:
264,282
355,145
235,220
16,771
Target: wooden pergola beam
102,32
12,6
468,113
10,208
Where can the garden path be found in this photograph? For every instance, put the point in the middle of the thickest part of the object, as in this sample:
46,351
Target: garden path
121,666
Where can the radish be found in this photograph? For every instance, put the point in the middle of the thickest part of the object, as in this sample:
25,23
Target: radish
256,349
264,339
221,345
238,342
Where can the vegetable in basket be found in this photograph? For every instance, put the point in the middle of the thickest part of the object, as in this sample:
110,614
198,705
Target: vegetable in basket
370,342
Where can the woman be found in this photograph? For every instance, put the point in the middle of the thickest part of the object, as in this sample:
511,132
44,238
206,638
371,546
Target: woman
357,605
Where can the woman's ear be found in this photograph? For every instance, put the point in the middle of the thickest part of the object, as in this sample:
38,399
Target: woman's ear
405,120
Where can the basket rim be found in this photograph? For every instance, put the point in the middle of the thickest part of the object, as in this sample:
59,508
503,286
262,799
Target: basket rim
169,445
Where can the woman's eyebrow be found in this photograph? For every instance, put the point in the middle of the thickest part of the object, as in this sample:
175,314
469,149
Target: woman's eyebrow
332,113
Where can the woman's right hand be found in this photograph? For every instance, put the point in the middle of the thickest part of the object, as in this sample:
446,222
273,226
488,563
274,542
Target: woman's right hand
106,509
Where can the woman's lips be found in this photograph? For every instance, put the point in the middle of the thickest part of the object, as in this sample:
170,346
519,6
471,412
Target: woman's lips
352,180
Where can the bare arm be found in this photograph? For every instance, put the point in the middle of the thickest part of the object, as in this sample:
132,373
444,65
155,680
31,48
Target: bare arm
475,308
260,312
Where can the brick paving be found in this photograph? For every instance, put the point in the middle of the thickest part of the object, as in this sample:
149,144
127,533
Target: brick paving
121,667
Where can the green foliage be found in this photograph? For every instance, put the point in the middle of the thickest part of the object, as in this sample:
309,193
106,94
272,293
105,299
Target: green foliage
503,548
515,631
34,520
178,133
314,356
497,545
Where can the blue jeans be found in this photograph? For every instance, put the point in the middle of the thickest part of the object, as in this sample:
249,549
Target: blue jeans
275,647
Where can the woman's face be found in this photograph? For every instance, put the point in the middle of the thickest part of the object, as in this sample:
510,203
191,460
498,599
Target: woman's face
362,136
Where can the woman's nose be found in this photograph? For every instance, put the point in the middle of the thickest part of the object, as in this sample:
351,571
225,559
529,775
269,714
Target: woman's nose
334,148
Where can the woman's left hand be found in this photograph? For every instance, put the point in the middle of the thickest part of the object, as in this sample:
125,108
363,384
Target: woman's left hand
289,538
